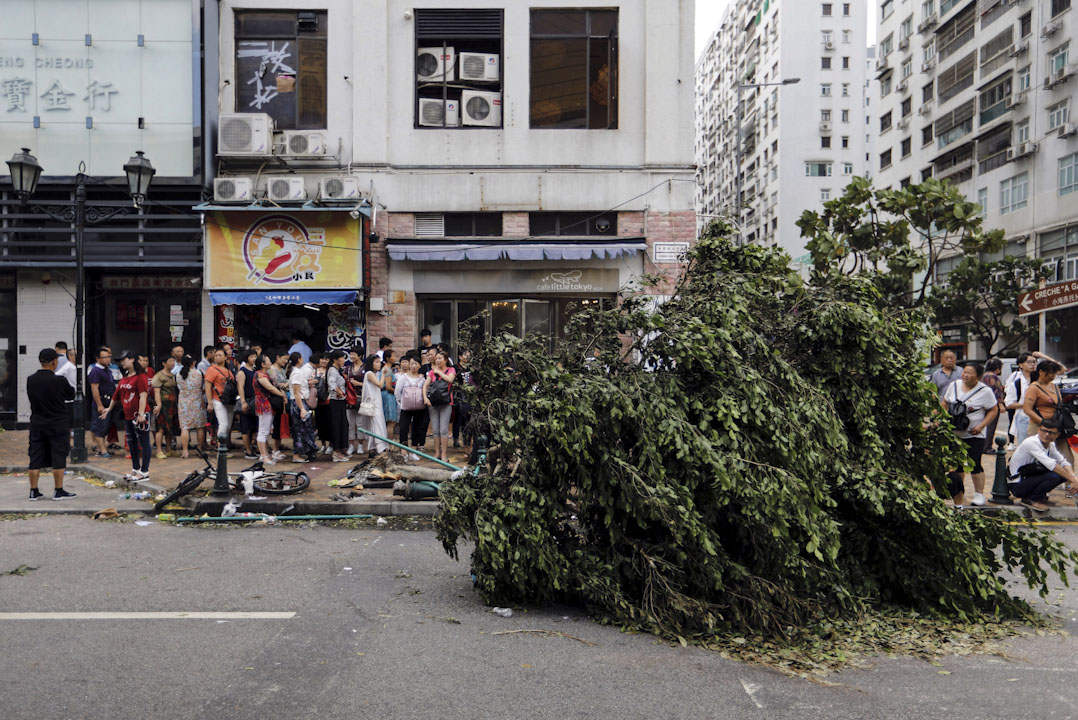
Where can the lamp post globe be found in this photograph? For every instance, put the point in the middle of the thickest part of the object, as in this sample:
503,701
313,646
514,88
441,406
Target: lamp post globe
25,172
139,175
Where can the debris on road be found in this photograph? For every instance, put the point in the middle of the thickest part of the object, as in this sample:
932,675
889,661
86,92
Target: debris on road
21,570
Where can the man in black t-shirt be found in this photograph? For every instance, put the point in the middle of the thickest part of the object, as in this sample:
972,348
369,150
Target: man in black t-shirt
50,425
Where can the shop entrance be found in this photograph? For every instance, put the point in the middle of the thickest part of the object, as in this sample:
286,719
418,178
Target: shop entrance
149,320
8,360
322,327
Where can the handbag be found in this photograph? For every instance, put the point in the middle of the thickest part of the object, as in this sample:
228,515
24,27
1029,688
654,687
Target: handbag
366,408
440,393
350,393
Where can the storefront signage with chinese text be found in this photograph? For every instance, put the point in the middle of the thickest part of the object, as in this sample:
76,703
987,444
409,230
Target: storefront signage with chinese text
1050,297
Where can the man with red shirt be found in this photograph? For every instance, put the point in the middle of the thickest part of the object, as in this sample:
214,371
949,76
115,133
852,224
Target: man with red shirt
132,393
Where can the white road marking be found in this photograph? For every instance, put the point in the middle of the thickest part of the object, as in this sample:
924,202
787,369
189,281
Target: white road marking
146,615
751,689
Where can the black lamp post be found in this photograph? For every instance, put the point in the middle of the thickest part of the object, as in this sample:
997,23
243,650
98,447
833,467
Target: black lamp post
25,173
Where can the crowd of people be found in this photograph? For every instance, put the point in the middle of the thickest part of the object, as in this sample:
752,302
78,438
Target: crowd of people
323,401
976,398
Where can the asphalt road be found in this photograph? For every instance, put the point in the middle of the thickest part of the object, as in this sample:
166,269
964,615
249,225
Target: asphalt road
387,626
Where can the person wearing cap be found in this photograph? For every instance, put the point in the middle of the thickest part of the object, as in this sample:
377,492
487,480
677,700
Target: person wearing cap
50,425
132,393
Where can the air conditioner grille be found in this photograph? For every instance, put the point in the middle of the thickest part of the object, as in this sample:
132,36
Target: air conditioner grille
429,225
298,144
334,187
236,134
473,66
433,112
226,188
279,188
427,64
478,108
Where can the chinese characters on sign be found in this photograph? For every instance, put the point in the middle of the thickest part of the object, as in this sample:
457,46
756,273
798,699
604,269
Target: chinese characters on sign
271,60
1049,297
16,90
121,282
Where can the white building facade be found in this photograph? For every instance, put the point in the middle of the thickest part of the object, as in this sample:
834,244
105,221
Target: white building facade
981,92
800,144
518,159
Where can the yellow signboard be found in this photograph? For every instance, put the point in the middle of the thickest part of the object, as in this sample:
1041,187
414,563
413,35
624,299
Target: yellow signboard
282,250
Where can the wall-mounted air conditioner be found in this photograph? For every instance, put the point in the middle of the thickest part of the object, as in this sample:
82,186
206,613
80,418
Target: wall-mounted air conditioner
1068,130
1051,28
925,110
479,66
233,190
436,113
1015,100
1023,149
928,23
903,124
302,143
904,44
481,108
902,86
829,45
928,64
245,134
435,64
343,188
825,126
1019,48
289,189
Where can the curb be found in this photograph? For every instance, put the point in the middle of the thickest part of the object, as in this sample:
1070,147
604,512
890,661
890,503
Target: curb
425,508
91,471
1062,513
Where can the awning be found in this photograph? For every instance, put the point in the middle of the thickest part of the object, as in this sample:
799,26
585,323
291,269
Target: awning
453,252
282,297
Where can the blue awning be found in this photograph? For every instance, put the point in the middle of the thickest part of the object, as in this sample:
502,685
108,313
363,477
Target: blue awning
282,297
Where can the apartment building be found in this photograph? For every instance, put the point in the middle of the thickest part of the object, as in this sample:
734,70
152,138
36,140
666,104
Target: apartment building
788,147
979,92
512,161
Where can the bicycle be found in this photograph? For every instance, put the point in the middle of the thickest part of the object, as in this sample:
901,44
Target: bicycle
279,482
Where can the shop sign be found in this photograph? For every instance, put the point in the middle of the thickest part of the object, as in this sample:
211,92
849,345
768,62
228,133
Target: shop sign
669,252
953,334
1050,297
588,281
282,251
122,282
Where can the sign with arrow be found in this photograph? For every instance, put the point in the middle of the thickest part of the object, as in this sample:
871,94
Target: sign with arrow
1050,297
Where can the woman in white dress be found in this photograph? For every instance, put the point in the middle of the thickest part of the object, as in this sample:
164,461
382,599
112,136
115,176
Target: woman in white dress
372,396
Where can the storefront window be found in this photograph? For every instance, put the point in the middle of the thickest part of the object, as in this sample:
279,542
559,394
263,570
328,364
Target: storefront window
8,363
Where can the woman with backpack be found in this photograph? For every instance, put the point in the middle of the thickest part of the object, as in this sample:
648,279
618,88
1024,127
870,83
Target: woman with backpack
221,392
322,422
336,381
300,412
1043,401
371,416
972,406
438,394
413,408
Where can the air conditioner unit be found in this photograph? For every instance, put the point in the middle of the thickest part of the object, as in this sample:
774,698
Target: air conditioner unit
479,66
1051,28
1015,100
903,124
344,188
301,143
904,44
902,86
245,134
481,108
883,63
825,126
928,64
829,45
288,188
435,64
1068,130
439,113
1019,48
928,23
1022,149
925,110
233,190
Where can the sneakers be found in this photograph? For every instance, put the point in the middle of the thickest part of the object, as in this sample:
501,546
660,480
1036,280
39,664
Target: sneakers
103,455
351,450
139,476
978,500
61,494
267,460
278,455
250,456
36,494
161,455
1039,507
340,458
456,443
413,457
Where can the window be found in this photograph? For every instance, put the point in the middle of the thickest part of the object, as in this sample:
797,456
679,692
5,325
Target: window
1013,193
1025,24
926,135
907,107
1057,59
993,101
1023,79
574,69
845,9
281,67
1060,249
480,224
573,224
1021,132
954,125
905,182
826,36
956,33
885,121
825,141
885,86
1068,174
825,9
825,63
907,147
992,149
847,168
825,89
1058,114
957,77
845,89
906,30
886,8
928,92
887,45
825,194
845,141
825,116
885,159
845,116
926,173
846,36
817,169
982,200
946,5
458,58
1059,6
907,68
845,63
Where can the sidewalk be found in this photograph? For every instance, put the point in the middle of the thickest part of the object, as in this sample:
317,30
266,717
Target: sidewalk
1064,510
166,474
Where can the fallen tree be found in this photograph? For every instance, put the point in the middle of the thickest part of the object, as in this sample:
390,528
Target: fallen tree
756,463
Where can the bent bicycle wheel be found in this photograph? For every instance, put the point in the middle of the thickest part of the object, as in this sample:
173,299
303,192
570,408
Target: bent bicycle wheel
186,486
282,483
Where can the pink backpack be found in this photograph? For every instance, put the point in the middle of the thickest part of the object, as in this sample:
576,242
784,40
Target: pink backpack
411,396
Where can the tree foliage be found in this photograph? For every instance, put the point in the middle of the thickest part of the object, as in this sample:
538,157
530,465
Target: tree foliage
756,461
984,297
895,237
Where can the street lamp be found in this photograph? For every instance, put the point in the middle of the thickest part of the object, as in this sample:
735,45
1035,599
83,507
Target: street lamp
25,173
739,118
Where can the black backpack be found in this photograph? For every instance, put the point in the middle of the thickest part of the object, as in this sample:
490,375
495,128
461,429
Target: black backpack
231,393
959,411
1063,414
439,393
322,388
